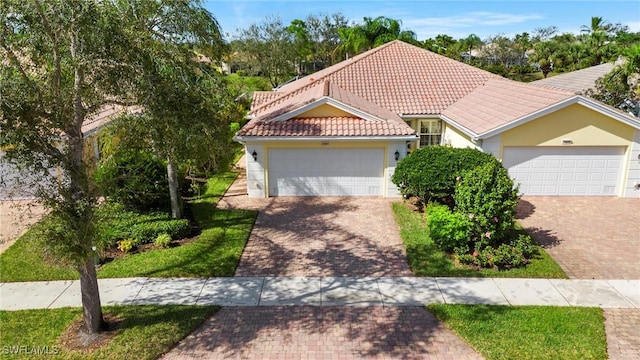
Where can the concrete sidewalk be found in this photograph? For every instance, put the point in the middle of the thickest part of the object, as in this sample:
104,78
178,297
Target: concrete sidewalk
327,291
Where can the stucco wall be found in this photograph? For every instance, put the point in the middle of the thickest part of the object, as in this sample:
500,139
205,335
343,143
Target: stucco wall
455,138
631,186
255,170
324,110
579,124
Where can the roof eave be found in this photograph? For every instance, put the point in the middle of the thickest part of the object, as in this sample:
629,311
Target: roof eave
243,139
524,119
577,99
326,100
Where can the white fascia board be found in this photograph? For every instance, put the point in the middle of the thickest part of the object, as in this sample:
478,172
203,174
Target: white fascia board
464,130
329,101
604,110
578,99
527,118
449,121
244,139
425,116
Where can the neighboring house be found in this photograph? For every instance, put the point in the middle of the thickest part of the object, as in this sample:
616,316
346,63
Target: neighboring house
578,81
342,130
19,184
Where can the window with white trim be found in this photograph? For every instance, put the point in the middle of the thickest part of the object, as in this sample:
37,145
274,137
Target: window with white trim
430,132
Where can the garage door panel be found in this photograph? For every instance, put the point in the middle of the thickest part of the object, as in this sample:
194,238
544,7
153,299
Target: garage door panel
326,172
565,170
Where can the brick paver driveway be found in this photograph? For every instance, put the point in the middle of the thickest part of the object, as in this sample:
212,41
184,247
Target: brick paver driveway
590,237
593,238
322,333
312,236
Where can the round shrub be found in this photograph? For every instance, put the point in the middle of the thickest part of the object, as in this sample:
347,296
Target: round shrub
488,197
430,173
135,179
163,240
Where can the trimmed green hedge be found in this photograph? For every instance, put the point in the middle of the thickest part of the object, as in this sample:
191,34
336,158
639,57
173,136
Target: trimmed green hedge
119,224
431,172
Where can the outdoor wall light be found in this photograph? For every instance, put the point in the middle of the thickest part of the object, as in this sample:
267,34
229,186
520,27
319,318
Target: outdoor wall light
397,154
255,155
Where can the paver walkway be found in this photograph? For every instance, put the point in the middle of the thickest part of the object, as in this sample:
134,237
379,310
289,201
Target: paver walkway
15,218
323,333
623,333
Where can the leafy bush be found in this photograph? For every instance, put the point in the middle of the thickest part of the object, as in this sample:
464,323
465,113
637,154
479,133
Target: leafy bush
488,196
448,230
505,256
163,240
126,245
136,179
430,173
116,224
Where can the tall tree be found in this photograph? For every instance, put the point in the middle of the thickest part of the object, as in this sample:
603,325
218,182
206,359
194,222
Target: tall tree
324,37
471,42
61,62
621,87
522,44
267,46
372,32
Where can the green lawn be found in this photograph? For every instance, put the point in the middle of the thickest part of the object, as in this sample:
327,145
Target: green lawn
528,332
426,259
146,332
215,252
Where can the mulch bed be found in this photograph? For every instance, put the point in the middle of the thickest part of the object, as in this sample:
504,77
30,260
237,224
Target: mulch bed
113,253
76,338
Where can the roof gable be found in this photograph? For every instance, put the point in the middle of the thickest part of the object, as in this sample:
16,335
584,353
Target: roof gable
501,101
350,115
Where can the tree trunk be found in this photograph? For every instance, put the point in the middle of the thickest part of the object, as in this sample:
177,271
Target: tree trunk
176,212
79,191
92,310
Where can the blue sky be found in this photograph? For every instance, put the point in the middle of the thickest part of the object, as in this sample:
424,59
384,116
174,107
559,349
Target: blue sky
429,18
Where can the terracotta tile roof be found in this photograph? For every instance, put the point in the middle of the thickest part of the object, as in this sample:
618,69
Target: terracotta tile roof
577,81
402,78
259,97
398,79
327,126
105,115
500,101
384,123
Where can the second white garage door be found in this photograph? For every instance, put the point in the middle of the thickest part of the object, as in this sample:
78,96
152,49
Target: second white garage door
326,172
565,170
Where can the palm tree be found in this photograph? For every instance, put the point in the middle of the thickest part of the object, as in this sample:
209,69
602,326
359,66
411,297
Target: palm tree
372,33
471,42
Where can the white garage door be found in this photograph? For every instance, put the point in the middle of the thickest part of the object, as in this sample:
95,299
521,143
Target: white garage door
326,172
565,170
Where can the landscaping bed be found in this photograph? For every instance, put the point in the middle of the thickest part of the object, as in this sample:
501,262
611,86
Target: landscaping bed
426,259
214,252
